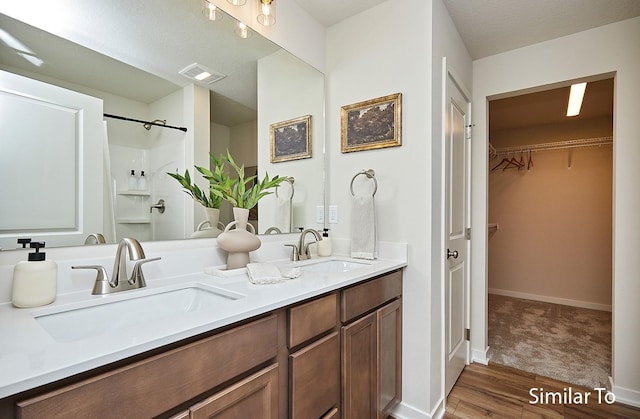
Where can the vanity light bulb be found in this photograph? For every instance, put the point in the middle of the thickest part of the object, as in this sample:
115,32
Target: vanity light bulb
237,2
267,12
210,11
242,30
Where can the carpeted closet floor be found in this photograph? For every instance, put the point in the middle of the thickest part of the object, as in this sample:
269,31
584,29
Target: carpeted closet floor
562,342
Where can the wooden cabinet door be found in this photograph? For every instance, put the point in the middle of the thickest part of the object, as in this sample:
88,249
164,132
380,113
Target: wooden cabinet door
254,397
359,368
389,356
315,378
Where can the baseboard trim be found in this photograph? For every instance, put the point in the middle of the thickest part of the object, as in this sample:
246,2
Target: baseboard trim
553,300
480,356
405,411
625,395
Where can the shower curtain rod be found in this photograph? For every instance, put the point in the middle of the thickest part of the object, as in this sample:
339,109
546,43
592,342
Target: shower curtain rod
124,118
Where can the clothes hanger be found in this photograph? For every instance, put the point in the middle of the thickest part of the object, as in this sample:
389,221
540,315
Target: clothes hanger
530,161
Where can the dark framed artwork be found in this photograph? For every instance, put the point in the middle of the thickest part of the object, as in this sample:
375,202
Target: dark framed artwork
375,123
291,140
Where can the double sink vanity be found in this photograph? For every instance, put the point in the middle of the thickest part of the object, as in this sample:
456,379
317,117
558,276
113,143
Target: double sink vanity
196,344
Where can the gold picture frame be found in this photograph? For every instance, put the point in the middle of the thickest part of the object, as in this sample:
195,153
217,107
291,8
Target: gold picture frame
291,140
375,123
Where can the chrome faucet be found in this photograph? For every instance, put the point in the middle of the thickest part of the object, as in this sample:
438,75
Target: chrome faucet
95,237
119,280
303,249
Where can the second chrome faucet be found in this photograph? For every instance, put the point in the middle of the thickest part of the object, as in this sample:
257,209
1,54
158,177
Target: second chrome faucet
119,279
302,251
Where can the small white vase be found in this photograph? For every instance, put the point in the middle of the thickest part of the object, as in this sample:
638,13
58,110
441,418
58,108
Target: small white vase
210,227
238,242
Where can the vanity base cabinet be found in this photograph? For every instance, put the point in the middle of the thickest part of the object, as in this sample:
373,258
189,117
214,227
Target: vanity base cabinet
254,397
162,382
372,348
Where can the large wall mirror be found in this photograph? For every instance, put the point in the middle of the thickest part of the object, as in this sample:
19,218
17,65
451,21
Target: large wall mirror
128,56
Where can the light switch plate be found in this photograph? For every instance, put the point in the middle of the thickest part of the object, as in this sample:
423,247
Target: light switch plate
333,214
320,214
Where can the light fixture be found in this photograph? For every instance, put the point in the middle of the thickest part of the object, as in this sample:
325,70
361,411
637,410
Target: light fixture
201,74
237,2
575,98
267,12
210,11
243,31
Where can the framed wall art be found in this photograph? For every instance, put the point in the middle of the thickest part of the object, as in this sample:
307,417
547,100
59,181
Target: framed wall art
375,123
291,140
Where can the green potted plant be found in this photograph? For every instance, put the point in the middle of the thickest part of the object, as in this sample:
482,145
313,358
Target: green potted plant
241,192
212,200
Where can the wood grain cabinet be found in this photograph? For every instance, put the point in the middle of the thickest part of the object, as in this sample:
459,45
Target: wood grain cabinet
371,348
162,382
314,369
330,357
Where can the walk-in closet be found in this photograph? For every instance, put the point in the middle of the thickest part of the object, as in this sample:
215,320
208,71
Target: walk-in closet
550,233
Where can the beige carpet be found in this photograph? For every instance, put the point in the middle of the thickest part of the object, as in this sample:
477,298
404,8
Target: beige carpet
562,342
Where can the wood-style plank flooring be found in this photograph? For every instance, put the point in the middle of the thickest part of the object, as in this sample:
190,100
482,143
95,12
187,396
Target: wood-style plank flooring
497,391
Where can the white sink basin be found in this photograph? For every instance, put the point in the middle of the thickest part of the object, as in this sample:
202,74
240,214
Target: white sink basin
333,266
115,312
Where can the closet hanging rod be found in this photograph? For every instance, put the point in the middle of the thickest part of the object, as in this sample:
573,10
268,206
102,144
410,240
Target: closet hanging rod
559,145
124,118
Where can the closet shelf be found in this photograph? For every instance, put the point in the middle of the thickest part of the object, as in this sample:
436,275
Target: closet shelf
558,145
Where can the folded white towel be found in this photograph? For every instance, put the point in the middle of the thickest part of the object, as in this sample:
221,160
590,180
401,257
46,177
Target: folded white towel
264,273
363,227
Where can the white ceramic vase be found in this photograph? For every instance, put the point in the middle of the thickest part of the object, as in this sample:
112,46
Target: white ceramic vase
210,227
238,242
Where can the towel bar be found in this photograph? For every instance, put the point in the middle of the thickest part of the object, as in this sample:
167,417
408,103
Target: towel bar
369,173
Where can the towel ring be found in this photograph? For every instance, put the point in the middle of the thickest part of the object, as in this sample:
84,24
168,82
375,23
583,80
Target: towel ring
290,180
369,173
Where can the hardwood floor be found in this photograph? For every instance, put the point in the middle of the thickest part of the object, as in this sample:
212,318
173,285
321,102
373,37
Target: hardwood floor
497,391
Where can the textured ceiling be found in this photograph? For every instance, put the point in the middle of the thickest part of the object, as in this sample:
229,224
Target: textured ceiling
489,27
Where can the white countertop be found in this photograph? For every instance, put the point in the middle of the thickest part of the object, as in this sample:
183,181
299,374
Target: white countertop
30,357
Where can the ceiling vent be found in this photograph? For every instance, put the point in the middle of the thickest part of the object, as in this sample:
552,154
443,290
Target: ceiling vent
201,74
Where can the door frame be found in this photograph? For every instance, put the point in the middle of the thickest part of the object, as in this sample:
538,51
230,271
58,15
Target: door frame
447,73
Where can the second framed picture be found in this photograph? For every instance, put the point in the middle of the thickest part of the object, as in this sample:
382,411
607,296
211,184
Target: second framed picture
291,140
371,124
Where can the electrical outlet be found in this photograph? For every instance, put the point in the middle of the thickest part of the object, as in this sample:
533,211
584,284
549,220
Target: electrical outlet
320,214
333,214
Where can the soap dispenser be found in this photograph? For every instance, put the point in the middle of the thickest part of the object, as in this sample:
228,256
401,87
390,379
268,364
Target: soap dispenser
324,245
34,280
142,182
133,181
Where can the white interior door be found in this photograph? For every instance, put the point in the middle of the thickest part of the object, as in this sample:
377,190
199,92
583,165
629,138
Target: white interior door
456,223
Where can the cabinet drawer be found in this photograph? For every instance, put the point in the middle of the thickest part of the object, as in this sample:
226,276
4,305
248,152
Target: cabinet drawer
159,383
365,297
309,320
315,378
254,397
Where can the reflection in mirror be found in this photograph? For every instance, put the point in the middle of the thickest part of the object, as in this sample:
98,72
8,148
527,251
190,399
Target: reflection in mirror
263,85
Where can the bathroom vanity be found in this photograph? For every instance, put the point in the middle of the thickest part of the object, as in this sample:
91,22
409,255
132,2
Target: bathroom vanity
327,344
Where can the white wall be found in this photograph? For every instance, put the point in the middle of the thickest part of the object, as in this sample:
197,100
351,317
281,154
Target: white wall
554,238
611,48
374,54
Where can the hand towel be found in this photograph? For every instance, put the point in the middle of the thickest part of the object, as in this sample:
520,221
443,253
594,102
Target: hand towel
363,227
283,214
264,273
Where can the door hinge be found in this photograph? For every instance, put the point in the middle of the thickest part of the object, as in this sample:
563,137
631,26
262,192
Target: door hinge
467,233
468,130
467,334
